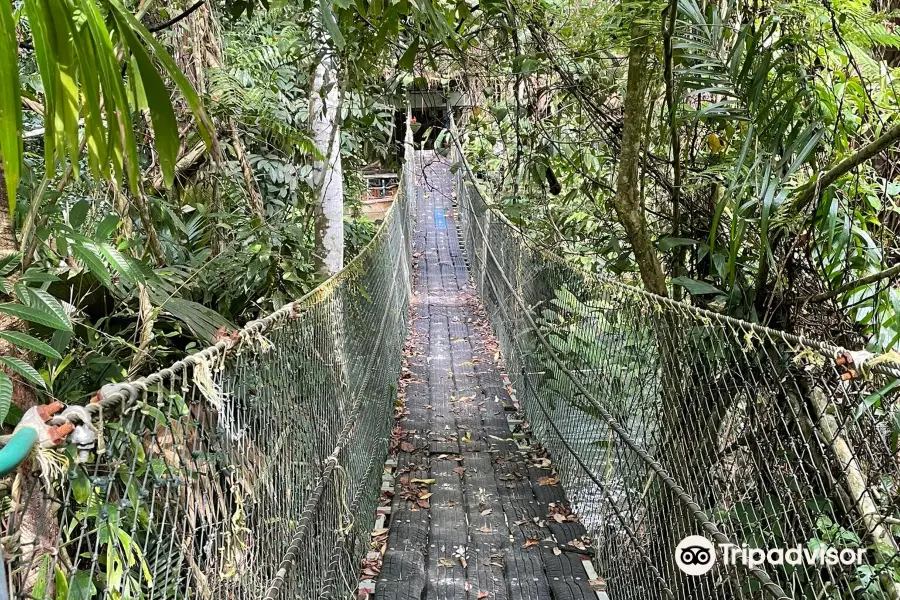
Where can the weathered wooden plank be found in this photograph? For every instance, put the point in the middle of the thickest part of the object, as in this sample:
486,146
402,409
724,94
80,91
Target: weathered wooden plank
482,526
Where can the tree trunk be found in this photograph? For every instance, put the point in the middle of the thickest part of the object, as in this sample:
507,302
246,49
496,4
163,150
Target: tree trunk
324,118
627,202
153,243
256,202
23,395
681,409
687,455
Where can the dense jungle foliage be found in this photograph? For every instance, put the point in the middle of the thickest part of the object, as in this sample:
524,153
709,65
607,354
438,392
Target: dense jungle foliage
159,162
163,168
163,187
740,154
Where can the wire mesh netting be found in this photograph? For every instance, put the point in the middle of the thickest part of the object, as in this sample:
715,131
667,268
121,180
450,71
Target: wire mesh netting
248,470
667,421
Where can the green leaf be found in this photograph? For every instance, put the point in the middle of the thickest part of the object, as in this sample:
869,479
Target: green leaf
9,263
895,431
119,263
6,393
80,586
106,227
78,213
10,103
204,125
32,344
138,94
697,288
36,275
41,32
667,243
35,315
39,589
202,321
94,130
89,254
162,115
331,24
408,60
44,301
121,145
24,369
14,415
62,585
875,398
66,78
81,487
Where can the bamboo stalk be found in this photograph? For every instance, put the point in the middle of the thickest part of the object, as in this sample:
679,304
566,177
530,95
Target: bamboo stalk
855,481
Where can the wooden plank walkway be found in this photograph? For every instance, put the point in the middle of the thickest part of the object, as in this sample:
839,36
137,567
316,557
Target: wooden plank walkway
468,519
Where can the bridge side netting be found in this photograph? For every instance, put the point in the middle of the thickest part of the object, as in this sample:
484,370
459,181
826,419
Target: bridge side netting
249,470
664,421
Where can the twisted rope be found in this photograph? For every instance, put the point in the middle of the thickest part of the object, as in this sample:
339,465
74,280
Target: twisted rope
884,364
115,395
291,555
686,500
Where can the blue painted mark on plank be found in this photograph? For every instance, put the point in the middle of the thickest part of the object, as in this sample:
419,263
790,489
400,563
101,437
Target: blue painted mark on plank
440,219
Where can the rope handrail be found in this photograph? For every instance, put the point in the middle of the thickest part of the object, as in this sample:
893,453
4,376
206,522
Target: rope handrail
241,471
886,363
708,422
114,394
685,498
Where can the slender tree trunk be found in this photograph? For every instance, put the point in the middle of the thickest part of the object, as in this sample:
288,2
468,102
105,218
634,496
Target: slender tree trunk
324,117
687,455
256,202
627,202
153,243
680,406
674,139
23,396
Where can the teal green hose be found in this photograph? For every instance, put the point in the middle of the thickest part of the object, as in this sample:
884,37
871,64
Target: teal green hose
17,450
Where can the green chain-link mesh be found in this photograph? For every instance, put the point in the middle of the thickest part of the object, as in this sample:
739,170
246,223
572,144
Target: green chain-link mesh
248,470
665,421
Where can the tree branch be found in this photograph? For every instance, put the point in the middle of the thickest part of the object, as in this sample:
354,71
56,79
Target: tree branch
887,273
815,185
178,18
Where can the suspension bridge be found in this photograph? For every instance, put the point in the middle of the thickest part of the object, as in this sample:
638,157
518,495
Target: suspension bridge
459,414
